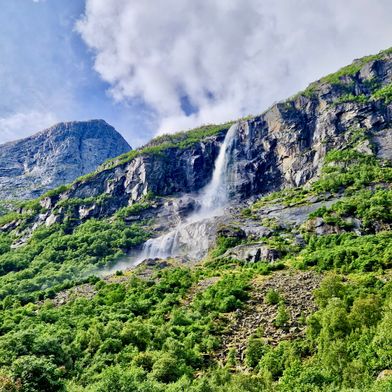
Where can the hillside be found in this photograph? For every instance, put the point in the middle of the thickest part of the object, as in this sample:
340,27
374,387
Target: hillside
56,156
249,256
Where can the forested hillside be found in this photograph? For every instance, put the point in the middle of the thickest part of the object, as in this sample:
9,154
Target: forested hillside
291,289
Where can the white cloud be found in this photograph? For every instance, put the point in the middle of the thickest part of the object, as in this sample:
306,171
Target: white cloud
228,57
19,125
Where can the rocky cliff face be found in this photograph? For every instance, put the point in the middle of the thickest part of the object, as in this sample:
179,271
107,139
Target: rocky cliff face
283,147
56,156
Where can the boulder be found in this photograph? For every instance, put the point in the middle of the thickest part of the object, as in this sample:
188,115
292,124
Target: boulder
253,253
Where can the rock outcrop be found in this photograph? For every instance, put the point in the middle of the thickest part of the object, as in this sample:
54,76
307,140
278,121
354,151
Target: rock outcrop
284,147
281,148
56,156
253,253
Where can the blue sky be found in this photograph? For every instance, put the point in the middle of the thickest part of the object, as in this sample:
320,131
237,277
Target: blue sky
151,66
47,75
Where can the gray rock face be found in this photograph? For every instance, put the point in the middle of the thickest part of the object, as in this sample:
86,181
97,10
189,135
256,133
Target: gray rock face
56,156
172,171
383,142
253,253
284,147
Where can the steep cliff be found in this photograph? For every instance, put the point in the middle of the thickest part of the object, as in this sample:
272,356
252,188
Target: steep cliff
56,156
251,256
282,148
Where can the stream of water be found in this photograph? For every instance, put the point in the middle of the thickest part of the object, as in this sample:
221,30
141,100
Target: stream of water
190,238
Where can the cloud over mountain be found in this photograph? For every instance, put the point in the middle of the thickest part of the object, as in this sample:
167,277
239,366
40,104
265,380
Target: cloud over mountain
212,60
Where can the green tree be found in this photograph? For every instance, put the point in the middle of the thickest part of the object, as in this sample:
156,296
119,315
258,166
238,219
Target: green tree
37,374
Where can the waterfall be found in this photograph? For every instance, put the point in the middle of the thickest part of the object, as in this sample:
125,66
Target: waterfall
215,194
190,238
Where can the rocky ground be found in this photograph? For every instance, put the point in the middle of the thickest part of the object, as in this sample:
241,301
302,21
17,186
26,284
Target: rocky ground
201,286
258,316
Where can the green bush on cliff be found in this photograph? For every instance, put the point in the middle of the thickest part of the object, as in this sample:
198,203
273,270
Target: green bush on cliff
373,209
348,252
385,94
353,170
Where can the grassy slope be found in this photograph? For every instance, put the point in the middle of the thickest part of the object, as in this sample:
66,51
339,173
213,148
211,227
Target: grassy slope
161,331
149,332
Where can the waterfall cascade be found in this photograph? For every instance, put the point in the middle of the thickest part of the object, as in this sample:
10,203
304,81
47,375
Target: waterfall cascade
215,194
190,238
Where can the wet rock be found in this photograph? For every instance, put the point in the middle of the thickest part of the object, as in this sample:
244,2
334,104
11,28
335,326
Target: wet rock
234,232
255,231
296,215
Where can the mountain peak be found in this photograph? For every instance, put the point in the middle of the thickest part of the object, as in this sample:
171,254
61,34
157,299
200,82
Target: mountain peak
55,156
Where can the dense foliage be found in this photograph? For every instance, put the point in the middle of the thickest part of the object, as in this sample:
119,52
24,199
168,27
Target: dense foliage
162,327
56,255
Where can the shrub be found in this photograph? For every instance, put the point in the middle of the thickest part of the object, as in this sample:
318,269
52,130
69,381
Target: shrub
167,368
272,297
37,374
282,316
385,94
255,350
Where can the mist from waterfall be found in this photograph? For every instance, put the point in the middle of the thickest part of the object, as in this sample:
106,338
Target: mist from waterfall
214,197
190,238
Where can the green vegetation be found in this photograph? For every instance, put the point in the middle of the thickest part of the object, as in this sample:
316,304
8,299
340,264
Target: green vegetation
372,207
384,93
160,144
351,170
55,192
30,209
272,297
287,197
348,252
141,336
135,334
185,139
347,72
133,209
355,67
162,329
282,316
56,256
352,98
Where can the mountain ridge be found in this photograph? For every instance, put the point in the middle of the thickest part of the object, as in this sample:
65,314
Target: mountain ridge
292,290
56,155
283,147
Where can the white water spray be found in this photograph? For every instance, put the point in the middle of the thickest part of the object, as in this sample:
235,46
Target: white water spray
215,195
191,237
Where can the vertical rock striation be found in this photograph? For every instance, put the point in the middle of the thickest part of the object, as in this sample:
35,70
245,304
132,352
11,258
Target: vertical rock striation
56,156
